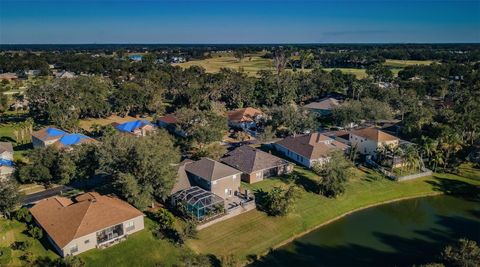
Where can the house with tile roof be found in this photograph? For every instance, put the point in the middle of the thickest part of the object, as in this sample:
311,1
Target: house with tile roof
323,107
7,167
256,164
136,127
88,221
309,149
213,176
368,140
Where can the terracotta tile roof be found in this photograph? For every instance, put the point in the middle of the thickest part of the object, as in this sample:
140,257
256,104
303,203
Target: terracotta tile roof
65,220
243,114
248,159
6,147
311,146
324,104
210,169
375,135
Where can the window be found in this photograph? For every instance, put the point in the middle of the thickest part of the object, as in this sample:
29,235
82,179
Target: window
234,176
130,226
258,174
214,182
74,249
87,241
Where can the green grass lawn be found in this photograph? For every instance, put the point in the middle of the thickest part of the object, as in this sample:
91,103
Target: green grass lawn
359,73
255,233
397,63
11,231
140,249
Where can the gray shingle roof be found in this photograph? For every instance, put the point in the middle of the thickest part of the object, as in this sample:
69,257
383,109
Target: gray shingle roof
210,169
248,159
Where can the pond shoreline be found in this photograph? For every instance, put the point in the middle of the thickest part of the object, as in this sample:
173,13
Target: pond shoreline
293,238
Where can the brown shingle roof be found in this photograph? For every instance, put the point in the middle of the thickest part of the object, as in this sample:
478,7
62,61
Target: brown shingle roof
324,104
169,119
6,147
243,114
248,159
65,220
210,169
311,146
375,135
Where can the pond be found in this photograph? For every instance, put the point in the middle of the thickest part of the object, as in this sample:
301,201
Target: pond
397,234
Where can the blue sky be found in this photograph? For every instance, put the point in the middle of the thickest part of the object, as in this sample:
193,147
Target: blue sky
235,21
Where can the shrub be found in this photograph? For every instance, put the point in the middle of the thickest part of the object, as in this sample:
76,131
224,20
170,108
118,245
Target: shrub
23,215
21,245
190,229
5,256
35,232
465,253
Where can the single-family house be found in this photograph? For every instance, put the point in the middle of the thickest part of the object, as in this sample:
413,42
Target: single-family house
366,141
244,118
256,164
65,74
60,139
67,141
7,167
88,221
216,177
341,136
46,136
136,127
323,107
169,122
309,149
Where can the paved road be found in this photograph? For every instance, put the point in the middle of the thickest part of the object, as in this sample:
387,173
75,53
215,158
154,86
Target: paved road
32,198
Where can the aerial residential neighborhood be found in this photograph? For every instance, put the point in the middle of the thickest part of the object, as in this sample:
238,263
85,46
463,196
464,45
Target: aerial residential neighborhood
239,133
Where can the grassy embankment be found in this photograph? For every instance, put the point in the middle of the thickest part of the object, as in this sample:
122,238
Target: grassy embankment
255,233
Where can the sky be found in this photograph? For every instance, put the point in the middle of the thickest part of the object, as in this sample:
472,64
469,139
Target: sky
239,21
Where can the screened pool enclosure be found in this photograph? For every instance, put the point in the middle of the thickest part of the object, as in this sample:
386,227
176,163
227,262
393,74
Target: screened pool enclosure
198,202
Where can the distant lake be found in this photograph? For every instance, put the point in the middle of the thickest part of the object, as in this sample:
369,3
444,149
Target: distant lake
397,234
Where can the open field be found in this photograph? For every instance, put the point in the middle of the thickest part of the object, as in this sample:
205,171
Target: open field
87,124
255,233
397,63
251,64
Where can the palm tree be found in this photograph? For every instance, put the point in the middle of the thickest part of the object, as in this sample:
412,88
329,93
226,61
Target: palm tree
450,142
428,147
305,57
437,159
412,158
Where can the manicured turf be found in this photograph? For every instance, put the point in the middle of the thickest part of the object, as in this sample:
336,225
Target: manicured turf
140,249
250,64
396,63
359,73
254,233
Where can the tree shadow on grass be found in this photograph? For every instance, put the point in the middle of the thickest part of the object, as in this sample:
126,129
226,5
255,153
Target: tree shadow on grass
301,180
456,188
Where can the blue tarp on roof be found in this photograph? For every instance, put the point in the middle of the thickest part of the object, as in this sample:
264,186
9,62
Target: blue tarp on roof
54,131
132,125
6,162
72,139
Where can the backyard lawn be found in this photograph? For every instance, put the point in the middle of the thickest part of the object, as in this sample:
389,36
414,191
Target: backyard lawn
397,63
255,233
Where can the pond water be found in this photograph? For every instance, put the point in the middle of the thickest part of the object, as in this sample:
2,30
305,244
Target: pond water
397,234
